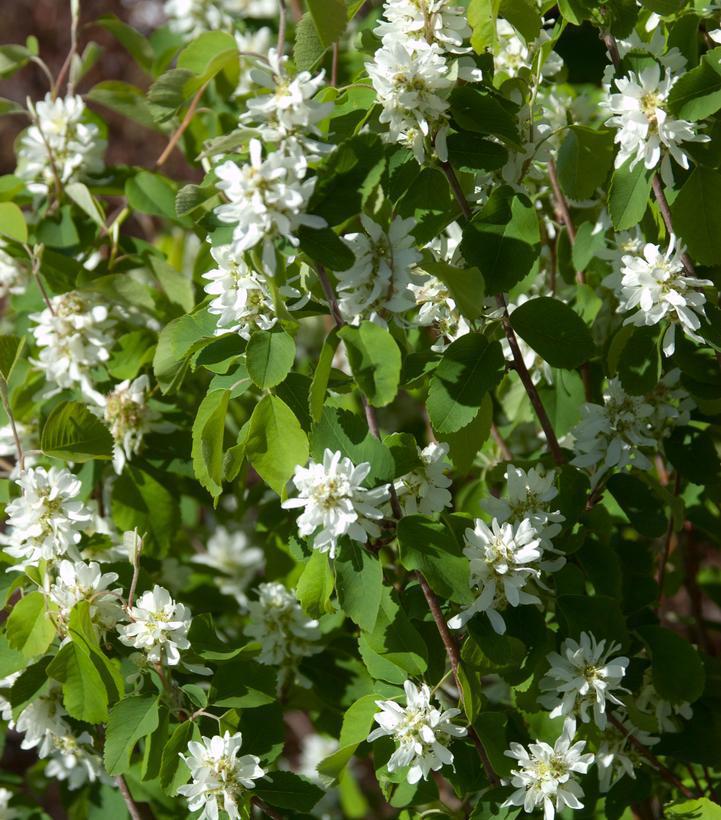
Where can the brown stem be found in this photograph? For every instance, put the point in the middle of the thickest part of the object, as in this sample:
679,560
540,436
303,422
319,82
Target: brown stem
282,23
501,442
665,773
662,203
667,542
132,806
13,427
334,65
562,206
454,658
265,808
452,178
183,125
330,295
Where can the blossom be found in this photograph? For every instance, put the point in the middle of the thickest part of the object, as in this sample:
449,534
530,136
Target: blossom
438,309
412,86
6,709
73,334
335,502
615,757
12,274
243,301
420,731
582,677
419,23
158,625
646,131
612,435
77,581
671,403
667,715
278,623
425,489
60,142
250,42
313,750
219,775
230,553
192,17
378,282
513,54
129,417
266,198
7,812
655,285
546,774
73,760
42,720
47,520
502,561
289,114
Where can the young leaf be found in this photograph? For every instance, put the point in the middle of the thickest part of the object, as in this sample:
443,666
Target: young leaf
359,580
12,222
84,695
330,17
696,214
315,585
10,349
269,357
29,628
628,195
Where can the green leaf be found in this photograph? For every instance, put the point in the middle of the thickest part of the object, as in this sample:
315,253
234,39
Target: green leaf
29,628
330,18
701,809
177,341
276,443
138,47
269,357
173,771
470,367
640,503
502,241
465,443
677,668
178,286
321,375
324,246
308,48
483,113
597,614
208,54
12,222
696,214
315,585
208,433
125,99
73,433
693,453
82,197
84,694
131,719
357,723
697,93
628,195
639,366
151,194
554,330
471,152
584,160
522,15
83,634
466,286
482,16
431,548
12,58
10,349
359,581
288,791
244,684
375,361
155,746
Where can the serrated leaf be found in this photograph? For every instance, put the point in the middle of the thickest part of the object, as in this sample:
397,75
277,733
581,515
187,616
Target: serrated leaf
73,433
29,628
130,720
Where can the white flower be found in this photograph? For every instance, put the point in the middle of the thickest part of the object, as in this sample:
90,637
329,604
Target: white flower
281,627
43,720
379,280
655,285
288,114
193,17
266,198
502,560
313,749
438,309
77,581
335,502
46,521
411,86
159,626
59,141
7,812
536,365
425,489
219,775
582,677
73,760
13,278
421,732
671,403
243,301
512,54
230,553
28,435
668,715
615,757
250,42
612,435
529,497
546,774
419,23
73,338
6,709
646,131
673,60
129,417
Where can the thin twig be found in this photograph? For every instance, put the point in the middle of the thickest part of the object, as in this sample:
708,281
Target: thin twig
282,23
265,808
36,256
13,427
565,213
501,442
518,364
334,65
131,805
183,125
667,542
665,773
138,547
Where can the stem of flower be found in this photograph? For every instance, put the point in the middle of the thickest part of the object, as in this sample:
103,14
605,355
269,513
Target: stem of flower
518,363
183,125
501,442
665,773
138,544
334,65
564,212
132,806
265,808
36,255
8,412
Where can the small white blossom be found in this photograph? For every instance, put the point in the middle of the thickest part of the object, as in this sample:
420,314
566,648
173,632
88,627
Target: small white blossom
419,23
59,141
281,627
219,775
129,417
314,749
502,560
46,521
74,337
230,553
250,44
73,760
335,502
378,282
42,721
584,676
77,581
646,131
668,715
6,709
612,435
158,625
546,774
437,309
7,812
13,278
513,54
266,198
425,489
412,87
616,757
192,17
671,403
656,286
420,731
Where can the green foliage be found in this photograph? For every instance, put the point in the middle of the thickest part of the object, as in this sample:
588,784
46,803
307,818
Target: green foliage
74,433
375,361
554,331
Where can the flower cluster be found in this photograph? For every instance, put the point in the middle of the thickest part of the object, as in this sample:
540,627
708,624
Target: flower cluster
129,417
158,626
230,554
425,489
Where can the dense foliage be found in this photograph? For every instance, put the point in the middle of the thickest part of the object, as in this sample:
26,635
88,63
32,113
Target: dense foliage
373,469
